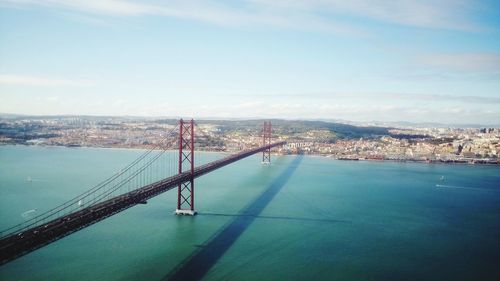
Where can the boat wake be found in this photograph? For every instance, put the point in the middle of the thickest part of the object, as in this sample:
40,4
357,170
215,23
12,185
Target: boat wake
464,187
28,214
30,179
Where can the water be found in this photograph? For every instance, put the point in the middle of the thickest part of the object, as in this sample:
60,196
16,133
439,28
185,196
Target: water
302,218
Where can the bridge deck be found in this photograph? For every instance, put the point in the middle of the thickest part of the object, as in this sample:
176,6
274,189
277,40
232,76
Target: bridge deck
19,244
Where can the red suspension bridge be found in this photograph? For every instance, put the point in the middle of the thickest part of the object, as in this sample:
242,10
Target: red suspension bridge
152,173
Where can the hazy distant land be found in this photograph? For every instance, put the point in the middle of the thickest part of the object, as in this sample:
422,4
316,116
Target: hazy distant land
331,139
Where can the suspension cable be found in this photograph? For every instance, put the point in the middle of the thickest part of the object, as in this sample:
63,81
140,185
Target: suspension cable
43,216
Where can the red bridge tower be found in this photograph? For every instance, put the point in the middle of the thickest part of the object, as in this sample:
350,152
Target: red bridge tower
266,140
185,192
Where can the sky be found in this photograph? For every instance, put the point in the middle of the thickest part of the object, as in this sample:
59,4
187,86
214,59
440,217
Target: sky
357,60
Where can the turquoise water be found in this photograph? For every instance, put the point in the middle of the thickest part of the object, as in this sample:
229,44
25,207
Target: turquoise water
302,218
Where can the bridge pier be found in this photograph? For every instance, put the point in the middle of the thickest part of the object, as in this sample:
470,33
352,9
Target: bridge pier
185,212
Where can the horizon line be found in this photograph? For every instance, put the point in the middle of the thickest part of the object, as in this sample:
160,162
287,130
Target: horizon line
255,118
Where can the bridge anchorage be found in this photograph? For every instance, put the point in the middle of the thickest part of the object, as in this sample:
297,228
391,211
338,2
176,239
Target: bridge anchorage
144,178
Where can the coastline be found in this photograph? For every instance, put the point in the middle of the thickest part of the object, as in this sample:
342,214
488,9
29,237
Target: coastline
444,162
470,162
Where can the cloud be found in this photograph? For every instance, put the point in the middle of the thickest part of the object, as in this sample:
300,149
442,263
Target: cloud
116,7
472,66
362,113
337,16
378,97
445,98
215,12
464,62
445,14
383,112
8,79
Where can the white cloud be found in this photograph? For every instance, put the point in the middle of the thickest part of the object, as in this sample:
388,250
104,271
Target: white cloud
448,14
90,6
27,80
322,15
459,67
440,98
383,111
215,12
375,97
478,62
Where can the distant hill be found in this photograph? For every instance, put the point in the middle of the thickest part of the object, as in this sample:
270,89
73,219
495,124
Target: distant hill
281,126
299,126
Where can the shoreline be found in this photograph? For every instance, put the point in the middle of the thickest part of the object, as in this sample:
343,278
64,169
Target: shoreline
439,162
445,162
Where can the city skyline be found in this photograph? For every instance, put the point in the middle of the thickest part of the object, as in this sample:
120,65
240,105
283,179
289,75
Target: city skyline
415,61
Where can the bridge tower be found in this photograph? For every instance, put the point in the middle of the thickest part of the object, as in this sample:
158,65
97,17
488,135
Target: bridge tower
185,191
266,140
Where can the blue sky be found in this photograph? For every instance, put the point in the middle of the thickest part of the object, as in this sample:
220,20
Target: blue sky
407,60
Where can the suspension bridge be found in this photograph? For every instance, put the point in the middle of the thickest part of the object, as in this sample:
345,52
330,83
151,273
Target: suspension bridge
154,172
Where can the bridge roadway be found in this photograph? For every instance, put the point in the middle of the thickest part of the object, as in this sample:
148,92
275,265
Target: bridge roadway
24,242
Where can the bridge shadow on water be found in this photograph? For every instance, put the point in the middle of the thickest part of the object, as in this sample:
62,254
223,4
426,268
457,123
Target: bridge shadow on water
199,263
276,218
